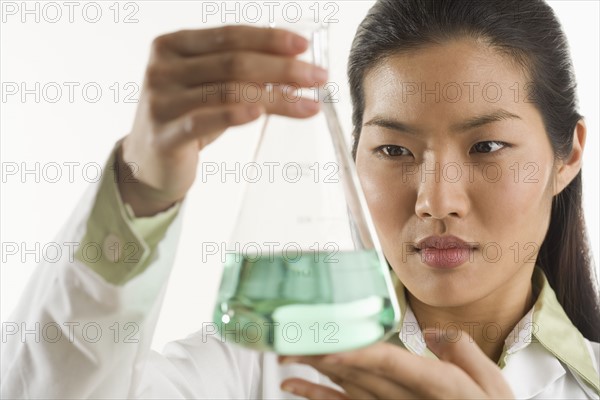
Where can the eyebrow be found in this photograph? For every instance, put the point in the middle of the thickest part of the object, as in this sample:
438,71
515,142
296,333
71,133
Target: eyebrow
471,123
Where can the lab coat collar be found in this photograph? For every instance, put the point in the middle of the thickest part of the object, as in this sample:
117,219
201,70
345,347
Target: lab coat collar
552,331
532,371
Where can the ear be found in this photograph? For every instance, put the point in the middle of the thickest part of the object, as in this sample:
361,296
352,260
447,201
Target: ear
567,169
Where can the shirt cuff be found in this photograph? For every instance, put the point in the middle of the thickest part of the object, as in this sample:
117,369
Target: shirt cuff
117,245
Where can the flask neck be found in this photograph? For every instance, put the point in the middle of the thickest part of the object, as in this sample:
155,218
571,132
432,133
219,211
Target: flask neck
317,35
319,46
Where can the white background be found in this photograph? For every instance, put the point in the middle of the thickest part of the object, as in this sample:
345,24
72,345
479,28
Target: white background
106,52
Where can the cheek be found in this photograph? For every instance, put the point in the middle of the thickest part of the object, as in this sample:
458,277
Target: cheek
515,208
390,204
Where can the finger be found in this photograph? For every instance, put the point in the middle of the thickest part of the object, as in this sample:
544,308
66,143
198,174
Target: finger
361,381
301,387
206,125
234,66
280,100
417,374
467,355
385,359
227,38
356,392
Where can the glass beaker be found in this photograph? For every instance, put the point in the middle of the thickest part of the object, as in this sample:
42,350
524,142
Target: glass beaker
304,272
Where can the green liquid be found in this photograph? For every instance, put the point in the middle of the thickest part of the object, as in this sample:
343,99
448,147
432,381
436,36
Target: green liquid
313,304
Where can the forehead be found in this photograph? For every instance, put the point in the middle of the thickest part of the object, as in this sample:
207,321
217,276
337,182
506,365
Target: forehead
456,76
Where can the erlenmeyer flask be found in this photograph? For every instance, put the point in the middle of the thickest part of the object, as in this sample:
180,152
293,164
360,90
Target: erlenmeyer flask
304,272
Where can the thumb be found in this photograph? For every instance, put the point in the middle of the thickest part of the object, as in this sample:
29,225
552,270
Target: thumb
464,352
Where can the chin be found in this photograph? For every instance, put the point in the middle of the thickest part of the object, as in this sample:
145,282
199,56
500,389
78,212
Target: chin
440,288
443,299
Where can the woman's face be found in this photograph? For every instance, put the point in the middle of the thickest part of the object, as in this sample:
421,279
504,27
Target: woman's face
451,145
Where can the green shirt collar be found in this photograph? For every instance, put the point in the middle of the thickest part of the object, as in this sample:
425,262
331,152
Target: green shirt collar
555,331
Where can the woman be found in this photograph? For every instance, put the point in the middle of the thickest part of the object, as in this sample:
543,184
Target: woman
405,53
494,320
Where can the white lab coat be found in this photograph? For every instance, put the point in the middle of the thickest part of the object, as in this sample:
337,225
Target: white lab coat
85,364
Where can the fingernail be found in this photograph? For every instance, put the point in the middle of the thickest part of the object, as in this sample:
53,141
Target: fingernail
320,74
254,111
432,338
308,105
288,387
288,359
332,359
299,43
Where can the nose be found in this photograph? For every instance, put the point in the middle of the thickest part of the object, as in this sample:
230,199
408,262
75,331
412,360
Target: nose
441,191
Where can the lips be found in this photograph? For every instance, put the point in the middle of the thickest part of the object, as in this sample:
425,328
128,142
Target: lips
444,251
444,242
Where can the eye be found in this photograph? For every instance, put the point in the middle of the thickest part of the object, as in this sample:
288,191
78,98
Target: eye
390,150
489,146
